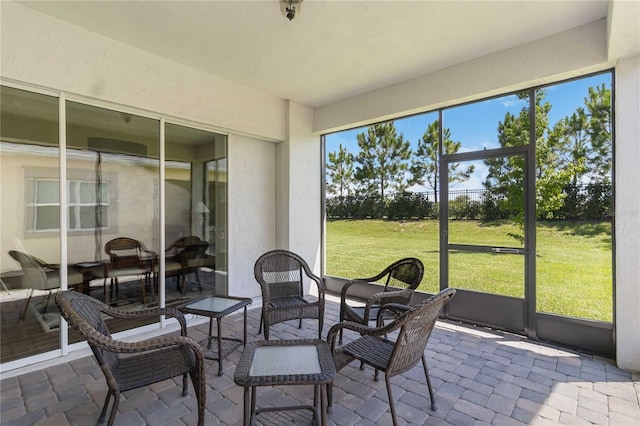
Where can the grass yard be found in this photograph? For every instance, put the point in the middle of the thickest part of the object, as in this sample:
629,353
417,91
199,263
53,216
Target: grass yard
573,260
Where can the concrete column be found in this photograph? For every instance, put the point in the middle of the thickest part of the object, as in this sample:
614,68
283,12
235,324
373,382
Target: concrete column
627,213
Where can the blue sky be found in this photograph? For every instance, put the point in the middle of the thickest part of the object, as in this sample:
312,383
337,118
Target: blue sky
475,125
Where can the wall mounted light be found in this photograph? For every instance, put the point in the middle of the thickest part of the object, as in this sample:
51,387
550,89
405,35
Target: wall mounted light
290,8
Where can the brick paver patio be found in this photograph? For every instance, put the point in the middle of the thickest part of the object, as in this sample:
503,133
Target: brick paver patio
479,377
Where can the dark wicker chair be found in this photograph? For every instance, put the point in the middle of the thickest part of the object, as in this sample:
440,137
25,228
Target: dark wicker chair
281,276
400,279
129,257
393,357
185,256
130,365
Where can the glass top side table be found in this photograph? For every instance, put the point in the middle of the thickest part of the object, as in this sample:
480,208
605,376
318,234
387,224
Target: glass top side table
285,362
218,307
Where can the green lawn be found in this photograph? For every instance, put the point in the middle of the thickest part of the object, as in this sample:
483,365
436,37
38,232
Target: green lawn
573,262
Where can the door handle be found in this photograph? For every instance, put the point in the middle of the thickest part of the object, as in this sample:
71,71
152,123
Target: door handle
503,250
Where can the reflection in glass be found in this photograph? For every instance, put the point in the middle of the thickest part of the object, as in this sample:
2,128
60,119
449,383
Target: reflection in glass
113,186
30,225
195,214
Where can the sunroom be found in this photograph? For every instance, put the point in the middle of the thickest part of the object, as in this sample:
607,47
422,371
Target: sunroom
208,122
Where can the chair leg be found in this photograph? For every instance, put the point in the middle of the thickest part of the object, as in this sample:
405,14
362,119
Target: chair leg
320,325
104,407
300,323
114,409
330,395
391,405
185,385
46,303
426,374
260,326
198,279
26,305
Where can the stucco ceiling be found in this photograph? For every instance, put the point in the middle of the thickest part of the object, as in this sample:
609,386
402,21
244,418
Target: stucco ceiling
333,49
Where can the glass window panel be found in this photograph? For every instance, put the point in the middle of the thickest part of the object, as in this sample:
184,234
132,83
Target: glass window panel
112,157
195,188
48,218
87,192
48,191
29,161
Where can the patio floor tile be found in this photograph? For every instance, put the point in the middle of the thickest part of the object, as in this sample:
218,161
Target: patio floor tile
479,377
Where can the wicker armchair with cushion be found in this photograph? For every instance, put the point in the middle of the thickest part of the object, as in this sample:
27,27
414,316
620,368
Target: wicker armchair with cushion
400,279
414,326
130,365
281,275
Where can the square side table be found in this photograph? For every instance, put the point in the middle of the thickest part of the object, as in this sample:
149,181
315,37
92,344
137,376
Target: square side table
218,307
285,362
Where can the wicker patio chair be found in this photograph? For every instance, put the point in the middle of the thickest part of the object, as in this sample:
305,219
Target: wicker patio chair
400,279
40,275
393,357
129,257
281,276
130,365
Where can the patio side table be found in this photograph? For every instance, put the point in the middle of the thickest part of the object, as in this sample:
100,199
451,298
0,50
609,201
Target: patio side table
218,307
285,362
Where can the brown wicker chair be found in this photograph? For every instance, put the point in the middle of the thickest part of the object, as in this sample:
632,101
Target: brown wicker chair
130,365
281,276
400,279
129,257
393,357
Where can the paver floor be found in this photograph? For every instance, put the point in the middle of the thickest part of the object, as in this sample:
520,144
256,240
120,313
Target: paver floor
480,376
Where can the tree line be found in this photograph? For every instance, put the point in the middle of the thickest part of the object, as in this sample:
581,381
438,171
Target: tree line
573,168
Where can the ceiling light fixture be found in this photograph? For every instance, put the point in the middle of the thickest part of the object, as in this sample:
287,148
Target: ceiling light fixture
290,8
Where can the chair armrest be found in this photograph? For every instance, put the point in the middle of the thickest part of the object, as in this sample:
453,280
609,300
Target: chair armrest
363,330
118,346
396,309
154,312
345,289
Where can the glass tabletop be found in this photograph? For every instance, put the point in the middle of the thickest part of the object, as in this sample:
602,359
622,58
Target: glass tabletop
215,304
282,360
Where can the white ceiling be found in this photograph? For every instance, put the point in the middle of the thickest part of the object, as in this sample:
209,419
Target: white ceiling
333,49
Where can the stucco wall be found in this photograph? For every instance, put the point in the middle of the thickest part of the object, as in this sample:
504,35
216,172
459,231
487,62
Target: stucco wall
41,50
252,210
628,213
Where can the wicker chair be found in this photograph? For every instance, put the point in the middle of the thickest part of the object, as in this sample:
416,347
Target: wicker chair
130,365
400,279
393,357
40,275
129,257
281,276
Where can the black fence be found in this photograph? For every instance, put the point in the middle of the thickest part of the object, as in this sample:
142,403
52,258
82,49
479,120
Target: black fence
579,202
